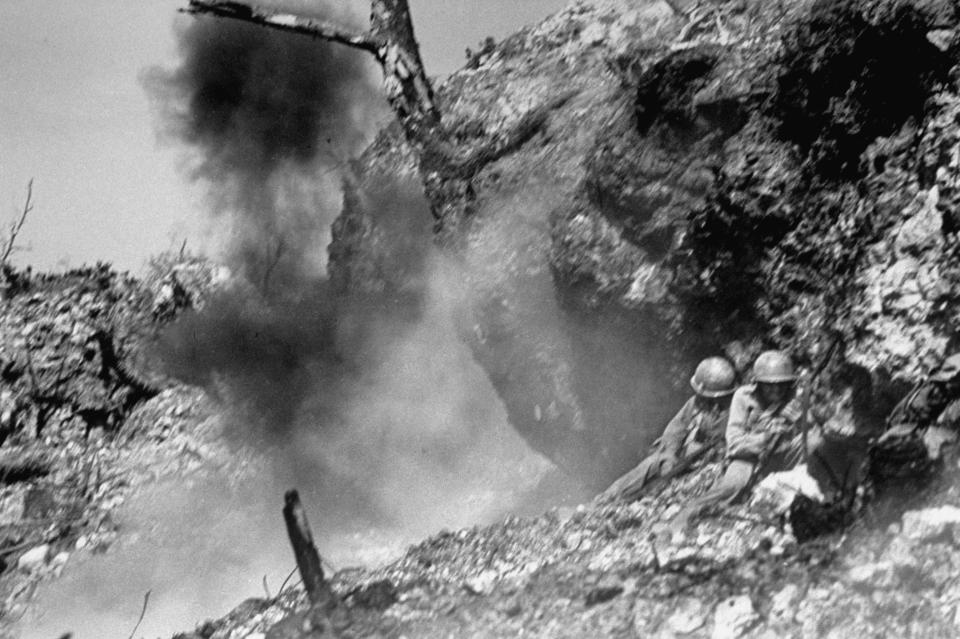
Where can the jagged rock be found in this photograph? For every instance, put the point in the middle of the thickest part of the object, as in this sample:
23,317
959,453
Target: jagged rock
783,604
931,524
733,617
689,615
34,558
604,591
483,583
874,575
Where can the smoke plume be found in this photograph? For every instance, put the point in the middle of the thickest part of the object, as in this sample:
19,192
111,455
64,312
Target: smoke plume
366,400
268,118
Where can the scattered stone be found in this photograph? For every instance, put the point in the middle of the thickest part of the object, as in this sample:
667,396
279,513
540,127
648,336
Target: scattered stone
931,524
34,558
483,583
783,604
606,590
733,617
881,574
690,614
378,595
511,607
941,38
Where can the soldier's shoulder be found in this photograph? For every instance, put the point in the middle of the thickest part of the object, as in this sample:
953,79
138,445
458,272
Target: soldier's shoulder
745,391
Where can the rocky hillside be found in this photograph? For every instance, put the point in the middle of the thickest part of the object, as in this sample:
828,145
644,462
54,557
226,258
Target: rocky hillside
741,176
86,419
737,176
745,175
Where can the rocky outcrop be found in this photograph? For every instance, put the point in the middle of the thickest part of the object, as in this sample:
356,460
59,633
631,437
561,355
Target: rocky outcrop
745,175
85,419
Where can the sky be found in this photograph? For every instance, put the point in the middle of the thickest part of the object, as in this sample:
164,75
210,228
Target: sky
75,118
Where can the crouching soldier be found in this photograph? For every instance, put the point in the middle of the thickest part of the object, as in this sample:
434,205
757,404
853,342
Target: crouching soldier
764,433
691,435
919,427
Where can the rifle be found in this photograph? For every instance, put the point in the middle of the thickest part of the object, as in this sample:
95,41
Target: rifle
808,390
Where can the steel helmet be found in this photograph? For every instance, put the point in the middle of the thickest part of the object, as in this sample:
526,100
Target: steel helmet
773,367
714,377
949,369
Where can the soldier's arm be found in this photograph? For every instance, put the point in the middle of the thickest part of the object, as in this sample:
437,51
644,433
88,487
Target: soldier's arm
676,431
741,443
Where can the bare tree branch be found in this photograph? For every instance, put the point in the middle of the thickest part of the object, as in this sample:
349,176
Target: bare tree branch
285,22
17,225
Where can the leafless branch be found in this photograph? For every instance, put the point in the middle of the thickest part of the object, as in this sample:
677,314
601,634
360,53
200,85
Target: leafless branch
285,22
17,225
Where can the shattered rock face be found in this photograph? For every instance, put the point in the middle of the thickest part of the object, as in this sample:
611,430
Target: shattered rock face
750,174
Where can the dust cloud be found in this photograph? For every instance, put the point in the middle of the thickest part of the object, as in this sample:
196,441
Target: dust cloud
385,450
368,402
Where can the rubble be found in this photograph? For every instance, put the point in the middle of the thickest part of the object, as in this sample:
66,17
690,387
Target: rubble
686,197
85,422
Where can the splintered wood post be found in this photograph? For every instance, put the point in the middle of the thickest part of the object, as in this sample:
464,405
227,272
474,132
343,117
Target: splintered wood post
308,559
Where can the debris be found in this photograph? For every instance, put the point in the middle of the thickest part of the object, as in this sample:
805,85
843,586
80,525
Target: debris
880,574
783,603
931,524
689,615
483,583
733,617
34,558
603,592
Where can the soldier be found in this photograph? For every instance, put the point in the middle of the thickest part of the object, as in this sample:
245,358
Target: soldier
920,426
690,435
764,432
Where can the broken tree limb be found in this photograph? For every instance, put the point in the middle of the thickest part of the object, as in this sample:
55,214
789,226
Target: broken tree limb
284,21
305,552
390,40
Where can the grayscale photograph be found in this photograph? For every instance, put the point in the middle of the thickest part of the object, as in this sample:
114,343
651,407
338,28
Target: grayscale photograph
403,319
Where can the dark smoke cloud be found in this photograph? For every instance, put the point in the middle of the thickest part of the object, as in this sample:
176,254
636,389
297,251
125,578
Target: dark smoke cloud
252,99
265,355
266,115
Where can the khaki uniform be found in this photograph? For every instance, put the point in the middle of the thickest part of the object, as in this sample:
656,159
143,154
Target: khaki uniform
696,428
760,440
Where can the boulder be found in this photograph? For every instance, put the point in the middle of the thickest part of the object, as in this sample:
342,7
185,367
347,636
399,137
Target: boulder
931,524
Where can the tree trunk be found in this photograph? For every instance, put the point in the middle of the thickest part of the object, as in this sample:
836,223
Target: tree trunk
308,559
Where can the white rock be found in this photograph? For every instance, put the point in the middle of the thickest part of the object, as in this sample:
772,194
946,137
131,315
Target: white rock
732,617
880,574
688,615
34,558
594,33
930,523
483,583
60,559
783,604
12,507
